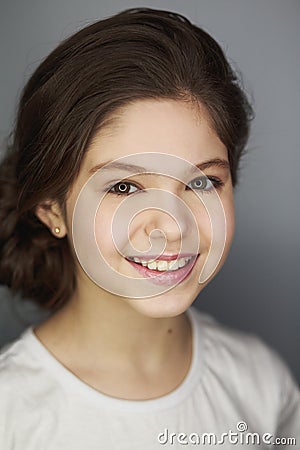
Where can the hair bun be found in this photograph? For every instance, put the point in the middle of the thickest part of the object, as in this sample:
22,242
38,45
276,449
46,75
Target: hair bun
28,250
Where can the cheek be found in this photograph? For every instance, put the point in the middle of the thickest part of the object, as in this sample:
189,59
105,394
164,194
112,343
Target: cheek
205,217
217,231
103,235
230,227
204,226
111,235
228,205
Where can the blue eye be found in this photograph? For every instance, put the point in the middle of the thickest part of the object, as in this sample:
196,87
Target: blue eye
205,183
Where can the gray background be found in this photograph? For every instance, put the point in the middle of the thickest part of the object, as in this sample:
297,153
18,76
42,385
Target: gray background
258,288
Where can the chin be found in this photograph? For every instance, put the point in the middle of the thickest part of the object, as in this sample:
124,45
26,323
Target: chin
169,304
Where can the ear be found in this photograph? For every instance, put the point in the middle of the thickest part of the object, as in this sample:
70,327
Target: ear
49,212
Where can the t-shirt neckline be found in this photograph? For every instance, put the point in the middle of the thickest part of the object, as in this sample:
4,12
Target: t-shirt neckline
70,381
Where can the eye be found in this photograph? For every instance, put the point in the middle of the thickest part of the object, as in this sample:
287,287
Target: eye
123,188
204,183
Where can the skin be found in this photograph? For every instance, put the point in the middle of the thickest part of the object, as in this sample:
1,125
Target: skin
98,335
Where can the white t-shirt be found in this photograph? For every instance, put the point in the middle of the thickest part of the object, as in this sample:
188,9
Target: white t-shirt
235,382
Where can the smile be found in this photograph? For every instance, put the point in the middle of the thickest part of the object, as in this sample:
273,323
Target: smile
162,265
166,270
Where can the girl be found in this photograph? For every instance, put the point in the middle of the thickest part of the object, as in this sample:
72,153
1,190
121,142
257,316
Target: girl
116,211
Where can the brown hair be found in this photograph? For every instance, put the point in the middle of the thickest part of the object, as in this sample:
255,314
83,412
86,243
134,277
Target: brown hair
139,53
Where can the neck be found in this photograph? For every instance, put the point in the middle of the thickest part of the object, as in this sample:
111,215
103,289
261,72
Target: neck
107,327
94,334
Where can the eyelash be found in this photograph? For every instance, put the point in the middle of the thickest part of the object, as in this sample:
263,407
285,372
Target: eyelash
216,183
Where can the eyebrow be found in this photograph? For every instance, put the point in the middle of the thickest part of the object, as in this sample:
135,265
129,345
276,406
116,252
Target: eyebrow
216,162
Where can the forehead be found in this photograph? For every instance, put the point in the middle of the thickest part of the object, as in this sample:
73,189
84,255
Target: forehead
174,127
171,127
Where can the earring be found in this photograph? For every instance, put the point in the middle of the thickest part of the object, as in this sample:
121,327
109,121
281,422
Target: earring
57,230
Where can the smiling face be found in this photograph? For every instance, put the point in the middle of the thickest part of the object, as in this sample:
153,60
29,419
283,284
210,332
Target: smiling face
145,220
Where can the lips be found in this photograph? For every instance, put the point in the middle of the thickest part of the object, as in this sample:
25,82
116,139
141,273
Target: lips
163,263
166,269
162,257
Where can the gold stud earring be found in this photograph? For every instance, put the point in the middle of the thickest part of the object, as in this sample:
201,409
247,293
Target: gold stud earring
57,230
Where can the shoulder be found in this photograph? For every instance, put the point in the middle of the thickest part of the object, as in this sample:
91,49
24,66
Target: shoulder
243,365
20,369
24,375
11,352
24,391
241,350
10,356
11,384
13,356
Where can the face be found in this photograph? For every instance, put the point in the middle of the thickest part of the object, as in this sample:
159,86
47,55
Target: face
147,218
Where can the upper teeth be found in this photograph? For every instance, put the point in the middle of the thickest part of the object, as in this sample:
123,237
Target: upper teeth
163,265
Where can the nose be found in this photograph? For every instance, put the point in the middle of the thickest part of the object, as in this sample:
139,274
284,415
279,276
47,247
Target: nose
170,218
